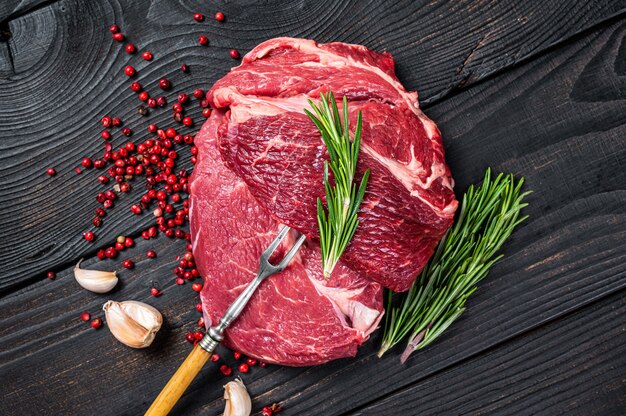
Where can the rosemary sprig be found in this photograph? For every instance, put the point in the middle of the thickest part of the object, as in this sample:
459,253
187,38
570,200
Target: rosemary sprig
338,223
489,214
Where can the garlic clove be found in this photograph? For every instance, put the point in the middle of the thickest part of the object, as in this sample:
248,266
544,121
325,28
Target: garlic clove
238,402
133,323
96,281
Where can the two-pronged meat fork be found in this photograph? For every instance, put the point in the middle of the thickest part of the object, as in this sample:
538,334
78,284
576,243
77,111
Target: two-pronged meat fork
196,359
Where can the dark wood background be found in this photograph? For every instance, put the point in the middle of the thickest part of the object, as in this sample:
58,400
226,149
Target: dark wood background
537,88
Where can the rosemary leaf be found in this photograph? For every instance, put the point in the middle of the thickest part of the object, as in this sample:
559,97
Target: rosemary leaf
338,223
489,213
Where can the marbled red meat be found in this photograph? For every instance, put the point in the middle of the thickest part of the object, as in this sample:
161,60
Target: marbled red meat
296,317
260,166
266,139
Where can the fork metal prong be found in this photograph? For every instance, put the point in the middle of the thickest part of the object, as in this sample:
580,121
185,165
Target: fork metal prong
279,238
285,261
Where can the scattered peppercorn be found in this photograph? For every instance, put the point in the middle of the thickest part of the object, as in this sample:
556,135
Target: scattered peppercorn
51,275
234,53
198,17
197,287
215,358
89,236
135,86
142,110
244,368
114,28
184,68
271,410
155,292
128,264
219,16
129,70
51,171
147,56
85,316
96,323
164,84
203,40
226,370
177,108
130,48
237,355
119,37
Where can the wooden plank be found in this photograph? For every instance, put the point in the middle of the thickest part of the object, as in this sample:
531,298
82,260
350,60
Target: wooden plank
555,120
10,9
6,61
65,62
573,366
32,32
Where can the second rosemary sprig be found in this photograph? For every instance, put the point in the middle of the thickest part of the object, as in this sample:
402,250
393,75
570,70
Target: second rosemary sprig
489,214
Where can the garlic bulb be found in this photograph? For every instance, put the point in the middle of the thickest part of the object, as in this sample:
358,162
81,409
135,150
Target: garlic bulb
95,280
133,323
238,402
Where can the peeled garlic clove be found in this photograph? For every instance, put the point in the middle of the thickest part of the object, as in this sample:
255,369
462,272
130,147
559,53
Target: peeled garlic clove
133,323
95,280
238,402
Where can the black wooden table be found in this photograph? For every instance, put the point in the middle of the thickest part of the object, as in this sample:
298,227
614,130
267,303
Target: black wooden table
529,87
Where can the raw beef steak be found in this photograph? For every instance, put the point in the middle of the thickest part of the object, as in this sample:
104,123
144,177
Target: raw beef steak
296,317
268,142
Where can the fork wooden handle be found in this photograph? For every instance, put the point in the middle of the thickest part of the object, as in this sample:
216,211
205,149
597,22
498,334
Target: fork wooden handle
179,382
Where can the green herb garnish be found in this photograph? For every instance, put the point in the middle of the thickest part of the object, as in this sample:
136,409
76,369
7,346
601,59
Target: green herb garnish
488,216
338,223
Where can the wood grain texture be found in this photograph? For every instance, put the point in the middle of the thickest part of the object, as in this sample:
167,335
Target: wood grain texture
11,9
531,374
556,119
569,254
65,72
